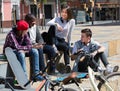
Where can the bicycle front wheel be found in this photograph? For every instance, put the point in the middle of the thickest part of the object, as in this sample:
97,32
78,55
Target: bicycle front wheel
113,81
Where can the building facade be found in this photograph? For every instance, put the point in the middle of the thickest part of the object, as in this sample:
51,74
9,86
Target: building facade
102,9
12,10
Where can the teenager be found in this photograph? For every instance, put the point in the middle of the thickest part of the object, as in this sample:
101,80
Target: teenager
40,46
19,41
59,33
95,49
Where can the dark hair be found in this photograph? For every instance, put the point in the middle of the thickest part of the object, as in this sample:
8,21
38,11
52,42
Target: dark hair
30,18
87,31
69,11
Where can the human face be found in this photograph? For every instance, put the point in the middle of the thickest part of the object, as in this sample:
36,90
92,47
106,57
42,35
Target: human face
22,33
84,38
31,23
64,14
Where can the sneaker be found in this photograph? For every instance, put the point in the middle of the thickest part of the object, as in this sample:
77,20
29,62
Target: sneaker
39,78
100,69
68,69
55,48
110,69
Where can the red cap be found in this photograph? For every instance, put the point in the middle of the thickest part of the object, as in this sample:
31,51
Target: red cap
22,25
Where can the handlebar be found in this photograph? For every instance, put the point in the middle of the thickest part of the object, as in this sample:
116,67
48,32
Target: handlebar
83,55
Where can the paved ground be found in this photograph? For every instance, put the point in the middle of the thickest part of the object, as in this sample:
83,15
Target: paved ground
101,32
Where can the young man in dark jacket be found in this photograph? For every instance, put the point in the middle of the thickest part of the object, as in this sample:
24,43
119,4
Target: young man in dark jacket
38,42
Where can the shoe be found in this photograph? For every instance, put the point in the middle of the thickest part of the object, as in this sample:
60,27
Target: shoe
55,48
68,69
55,72
39,78
110,69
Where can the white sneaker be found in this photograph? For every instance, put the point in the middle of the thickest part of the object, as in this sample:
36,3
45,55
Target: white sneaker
100,69
110,69
55,48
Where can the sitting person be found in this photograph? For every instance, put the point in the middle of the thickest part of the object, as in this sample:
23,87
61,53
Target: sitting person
19,41
59,33
88,45
39,45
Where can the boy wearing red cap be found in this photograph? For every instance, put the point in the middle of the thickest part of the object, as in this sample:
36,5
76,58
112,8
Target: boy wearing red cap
19,41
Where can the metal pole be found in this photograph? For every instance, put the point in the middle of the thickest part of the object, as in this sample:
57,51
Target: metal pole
93,13
116,13
57,7
119,13
22,10
92,16
1,16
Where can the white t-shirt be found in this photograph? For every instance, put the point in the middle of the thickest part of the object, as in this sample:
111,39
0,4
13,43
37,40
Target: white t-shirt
68,27
32,33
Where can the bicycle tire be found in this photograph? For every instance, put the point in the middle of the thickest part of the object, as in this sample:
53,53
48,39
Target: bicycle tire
109,78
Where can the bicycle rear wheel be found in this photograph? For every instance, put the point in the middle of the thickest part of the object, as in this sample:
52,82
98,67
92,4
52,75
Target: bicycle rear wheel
113,81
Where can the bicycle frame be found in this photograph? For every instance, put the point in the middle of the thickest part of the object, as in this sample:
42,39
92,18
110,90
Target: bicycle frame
94,85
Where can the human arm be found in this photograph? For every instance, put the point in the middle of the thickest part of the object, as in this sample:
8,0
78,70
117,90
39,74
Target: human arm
71,28
55,21
19,47
39,38
99,49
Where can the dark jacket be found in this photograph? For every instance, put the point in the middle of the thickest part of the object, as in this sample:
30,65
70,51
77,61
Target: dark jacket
39,38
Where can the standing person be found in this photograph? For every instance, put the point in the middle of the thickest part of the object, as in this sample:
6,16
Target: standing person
19,41
87,44
59,33
40,46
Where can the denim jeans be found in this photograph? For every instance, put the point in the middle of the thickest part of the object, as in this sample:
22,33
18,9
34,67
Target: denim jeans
21,59
49,50
34,55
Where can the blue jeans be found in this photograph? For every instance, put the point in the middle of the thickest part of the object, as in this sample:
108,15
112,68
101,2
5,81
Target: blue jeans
34,55
21,59
49,50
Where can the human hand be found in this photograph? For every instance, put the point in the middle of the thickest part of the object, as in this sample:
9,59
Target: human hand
22,51
94,53
80,50
37,46
59,27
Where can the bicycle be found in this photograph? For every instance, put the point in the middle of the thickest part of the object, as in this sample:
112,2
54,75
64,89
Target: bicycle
106,83
52,85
